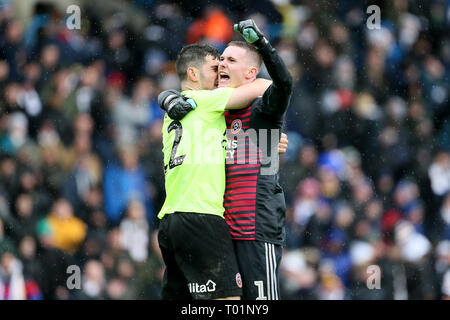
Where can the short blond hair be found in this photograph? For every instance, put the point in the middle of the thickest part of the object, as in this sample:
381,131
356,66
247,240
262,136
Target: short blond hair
254,54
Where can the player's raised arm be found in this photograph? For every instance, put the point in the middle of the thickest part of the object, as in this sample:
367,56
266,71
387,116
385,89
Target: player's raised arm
245,94
177,106
276,98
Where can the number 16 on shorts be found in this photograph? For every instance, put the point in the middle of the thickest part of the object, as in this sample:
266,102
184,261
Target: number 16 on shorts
260,285
259,263
272,293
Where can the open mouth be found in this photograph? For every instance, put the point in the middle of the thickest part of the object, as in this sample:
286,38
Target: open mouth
223,77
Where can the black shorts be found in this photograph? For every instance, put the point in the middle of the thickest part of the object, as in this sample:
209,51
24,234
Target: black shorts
200,261
259,265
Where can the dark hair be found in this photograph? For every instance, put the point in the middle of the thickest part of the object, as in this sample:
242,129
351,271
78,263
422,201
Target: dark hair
193,55
250,48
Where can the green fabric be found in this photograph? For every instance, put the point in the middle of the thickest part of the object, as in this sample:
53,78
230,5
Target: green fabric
250,35
198,183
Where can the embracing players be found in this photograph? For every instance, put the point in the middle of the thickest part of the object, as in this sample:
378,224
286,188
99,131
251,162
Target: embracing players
254,201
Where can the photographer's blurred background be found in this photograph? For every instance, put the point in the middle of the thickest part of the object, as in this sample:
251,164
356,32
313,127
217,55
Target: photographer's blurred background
366,176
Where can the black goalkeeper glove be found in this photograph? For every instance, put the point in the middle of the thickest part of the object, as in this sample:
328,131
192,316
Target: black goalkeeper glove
175,104
249,30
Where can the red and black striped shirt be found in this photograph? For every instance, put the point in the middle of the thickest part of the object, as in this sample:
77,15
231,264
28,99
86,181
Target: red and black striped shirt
254,201
242,168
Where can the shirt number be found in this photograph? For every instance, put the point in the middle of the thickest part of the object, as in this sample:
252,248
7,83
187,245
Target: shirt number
175,161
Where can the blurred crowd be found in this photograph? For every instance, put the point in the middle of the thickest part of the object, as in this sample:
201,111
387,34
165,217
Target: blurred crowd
366,175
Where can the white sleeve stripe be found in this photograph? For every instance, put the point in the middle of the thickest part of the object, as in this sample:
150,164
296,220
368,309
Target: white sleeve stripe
267,272
271,267
274,275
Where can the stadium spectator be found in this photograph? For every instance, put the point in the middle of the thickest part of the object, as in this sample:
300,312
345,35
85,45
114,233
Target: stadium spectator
63,230
123,182
13,284
134,231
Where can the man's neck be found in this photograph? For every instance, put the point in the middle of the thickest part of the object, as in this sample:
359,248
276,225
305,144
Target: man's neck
188,85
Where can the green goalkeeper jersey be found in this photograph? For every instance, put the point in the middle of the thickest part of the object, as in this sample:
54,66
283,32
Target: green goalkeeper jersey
194,155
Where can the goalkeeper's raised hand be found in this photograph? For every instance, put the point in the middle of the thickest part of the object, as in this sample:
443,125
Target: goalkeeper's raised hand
175,104
251,33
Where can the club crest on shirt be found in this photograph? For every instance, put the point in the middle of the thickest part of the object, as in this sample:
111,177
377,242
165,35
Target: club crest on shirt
236,126
238,280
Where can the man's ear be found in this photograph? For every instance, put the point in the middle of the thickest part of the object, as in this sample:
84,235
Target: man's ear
252,72
192,74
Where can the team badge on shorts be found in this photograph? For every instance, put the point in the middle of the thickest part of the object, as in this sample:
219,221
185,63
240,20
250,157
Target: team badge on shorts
238,280
236,126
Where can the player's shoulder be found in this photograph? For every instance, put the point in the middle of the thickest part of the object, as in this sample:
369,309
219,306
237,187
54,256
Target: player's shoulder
204,93
210,101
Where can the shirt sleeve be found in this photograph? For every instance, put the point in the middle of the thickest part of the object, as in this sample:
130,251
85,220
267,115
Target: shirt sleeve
277,96
210,103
